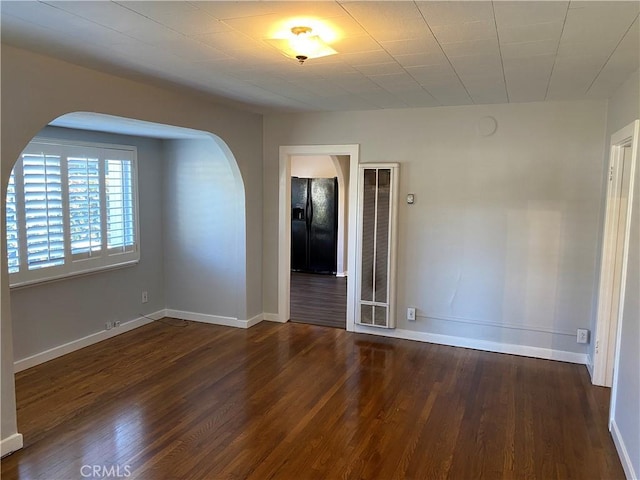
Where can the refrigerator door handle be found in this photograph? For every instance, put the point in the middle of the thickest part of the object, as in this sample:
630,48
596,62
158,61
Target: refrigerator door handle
309,218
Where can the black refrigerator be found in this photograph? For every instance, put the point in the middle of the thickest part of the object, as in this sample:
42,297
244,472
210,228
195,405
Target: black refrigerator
314,224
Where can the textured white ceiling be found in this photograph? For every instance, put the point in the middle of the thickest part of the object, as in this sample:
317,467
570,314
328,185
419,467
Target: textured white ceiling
391,54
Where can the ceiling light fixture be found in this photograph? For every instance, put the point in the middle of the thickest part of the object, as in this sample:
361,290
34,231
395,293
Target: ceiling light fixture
302,45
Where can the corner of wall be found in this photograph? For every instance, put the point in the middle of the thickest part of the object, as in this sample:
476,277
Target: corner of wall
623,453
589,364
11,444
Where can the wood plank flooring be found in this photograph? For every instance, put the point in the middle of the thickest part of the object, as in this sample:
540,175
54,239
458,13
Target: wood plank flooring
318,299
295,401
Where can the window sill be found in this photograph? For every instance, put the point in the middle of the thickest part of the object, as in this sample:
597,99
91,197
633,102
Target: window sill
69,276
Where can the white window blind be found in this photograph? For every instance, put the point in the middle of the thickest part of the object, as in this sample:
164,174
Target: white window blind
71,209
120,211
85,227
43,215
13,249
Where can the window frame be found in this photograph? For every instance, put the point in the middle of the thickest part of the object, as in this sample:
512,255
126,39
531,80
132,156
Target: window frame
77,265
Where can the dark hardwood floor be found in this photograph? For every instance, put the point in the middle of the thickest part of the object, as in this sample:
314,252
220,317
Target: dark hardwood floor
294,401
318,299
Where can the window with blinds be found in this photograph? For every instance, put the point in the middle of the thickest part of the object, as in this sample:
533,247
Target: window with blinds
85,225
43,214
71,209
13,250
120,234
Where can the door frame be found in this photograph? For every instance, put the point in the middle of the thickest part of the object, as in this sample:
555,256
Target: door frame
341,267
608,327
284,222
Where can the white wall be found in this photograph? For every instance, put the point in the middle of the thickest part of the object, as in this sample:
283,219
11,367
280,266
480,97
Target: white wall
37,89
344,162
313,166
52,314
502,240
203,231
624,108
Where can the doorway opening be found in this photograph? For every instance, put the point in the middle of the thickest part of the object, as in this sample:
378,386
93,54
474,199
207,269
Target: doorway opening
330,300
318,248
615,251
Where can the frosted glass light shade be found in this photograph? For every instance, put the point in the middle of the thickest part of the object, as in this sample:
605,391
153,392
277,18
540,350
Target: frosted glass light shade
302,44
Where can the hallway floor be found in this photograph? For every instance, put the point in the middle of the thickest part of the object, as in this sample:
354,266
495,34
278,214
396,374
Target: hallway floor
318,299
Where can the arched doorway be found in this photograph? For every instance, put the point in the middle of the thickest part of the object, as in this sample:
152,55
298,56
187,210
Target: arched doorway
192,217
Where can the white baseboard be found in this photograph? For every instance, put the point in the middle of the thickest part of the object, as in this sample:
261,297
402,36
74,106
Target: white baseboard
488,346
214,319
341,274
272,317
10,444
55,352
255,320
74,345
622,451
590,366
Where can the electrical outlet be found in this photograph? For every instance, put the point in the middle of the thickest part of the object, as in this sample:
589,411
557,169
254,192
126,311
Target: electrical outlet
145,297
411,314
583,335
116,324
108,326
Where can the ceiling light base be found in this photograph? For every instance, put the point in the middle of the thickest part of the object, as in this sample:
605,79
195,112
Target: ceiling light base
300,30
